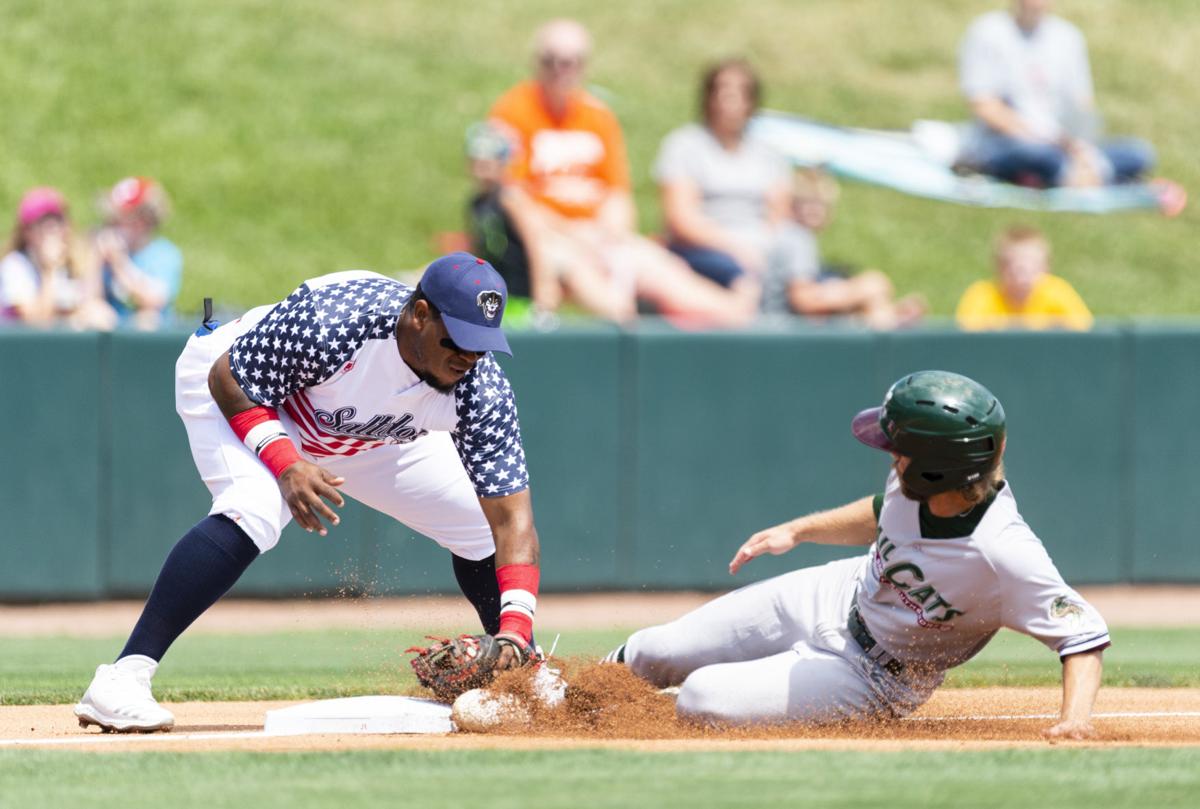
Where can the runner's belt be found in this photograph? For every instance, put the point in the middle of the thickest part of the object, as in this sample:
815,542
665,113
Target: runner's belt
864,638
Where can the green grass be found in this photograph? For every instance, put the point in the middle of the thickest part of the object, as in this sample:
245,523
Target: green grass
302,137
298,665
497,779
334,663
1153,658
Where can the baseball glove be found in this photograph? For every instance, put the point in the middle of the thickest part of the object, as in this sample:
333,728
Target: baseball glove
451,667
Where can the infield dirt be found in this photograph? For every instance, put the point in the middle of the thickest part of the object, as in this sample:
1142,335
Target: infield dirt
954,719
610,707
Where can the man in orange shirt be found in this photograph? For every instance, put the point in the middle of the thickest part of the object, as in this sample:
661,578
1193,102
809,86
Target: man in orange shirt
567,193
1024,294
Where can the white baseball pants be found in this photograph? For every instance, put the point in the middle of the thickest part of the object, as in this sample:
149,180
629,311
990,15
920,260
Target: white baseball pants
775,651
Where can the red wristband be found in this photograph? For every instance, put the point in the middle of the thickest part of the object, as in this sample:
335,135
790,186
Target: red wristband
279,455
518,599
260,429
242,423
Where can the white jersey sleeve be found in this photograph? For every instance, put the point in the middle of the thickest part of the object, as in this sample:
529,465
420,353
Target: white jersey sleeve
1036,600
488,434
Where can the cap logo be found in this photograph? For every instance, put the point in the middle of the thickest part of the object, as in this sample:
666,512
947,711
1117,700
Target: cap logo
489,302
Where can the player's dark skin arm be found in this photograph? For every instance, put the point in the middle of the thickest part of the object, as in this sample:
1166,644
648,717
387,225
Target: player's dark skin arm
302,484
511,521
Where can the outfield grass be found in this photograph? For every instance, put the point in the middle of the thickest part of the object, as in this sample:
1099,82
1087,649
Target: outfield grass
497,779
307,136
299,665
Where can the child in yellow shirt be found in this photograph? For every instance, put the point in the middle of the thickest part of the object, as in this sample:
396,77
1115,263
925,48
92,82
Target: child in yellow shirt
1024,294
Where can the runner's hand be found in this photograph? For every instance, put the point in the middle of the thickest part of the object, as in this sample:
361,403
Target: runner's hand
777,540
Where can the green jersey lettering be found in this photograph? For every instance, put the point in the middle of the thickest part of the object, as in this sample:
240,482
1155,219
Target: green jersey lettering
923,594
890,573
939,602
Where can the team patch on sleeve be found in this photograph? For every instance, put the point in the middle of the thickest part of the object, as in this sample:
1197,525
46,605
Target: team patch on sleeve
488,435
1063,610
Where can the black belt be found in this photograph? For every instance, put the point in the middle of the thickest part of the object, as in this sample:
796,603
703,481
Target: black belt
864,638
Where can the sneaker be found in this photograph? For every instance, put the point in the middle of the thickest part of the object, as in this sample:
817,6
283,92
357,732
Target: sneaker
617,655
119,698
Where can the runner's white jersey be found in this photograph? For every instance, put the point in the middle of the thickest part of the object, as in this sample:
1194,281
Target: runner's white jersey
327,356
937,601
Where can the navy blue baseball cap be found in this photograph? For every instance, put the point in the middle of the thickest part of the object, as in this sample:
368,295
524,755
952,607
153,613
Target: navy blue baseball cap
471,296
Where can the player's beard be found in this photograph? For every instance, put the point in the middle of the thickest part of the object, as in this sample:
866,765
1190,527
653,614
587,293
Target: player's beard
428,378
433,382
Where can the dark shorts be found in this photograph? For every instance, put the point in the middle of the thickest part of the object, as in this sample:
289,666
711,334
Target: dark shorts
712,264
494,239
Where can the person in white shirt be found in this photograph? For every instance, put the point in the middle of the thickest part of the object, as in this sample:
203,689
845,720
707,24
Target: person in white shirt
1026,75
950,563
46,277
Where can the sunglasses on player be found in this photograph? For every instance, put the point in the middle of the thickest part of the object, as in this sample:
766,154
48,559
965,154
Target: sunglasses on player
447,343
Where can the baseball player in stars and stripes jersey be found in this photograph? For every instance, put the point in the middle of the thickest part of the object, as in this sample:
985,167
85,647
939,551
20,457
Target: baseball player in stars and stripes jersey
355,385
950,563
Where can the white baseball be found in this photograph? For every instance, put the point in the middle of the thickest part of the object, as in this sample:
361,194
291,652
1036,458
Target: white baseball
479,710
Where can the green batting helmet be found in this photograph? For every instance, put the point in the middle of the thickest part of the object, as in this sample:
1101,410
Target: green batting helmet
950,427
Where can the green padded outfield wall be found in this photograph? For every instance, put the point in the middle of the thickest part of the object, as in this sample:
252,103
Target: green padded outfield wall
52,490
733,433
653,454
1163,473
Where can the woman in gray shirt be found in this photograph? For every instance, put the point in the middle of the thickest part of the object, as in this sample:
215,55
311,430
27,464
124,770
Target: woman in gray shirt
725,196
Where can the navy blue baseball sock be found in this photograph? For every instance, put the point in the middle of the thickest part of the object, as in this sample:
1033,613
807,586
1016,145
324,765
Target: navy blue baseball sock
201,568
477,580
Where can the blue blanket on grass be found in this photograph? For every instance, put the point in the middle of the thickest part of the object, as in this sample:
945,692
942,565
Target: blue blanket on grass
907,163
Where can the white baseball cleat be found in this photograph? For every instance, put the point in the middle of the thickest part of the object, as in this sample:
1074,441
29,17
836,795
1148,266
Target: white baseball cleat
119,698
617,655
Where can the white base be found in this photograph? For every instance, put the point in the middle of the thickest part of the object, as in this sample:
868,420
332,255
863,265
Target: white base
360,715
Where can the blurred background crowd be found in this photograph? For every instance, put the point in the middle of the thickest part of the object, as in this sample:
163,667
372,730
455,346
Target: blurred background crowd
124,273
552,204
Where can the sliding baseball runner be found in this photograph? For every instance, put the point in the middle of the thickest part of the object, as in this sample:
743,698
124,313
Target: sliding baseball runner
950,562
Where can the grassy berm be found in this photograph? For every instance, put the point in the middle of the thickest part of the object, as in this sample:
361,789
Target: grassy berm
303,137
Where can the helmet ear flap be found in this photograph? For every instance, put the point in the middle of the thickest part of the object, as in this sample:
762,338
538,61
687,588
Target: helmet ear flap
921,482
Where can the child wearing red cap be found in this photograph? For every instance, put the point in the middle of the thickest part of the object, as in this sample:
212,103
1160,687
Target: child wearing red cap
141,270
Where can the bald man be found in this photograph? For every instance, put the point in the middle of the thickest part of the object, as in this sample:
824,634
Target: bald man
568,195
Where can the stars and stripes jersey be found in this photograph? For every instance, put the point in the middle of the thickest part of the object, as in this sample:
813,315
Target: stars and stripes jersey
935,590
327,357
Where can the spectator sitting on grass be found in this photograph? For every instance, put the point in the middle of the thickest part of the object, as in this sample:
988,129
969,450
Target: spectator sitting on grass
724,196
142,270
567,193
495,238
1027,78
1024,293
46,278
814,289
